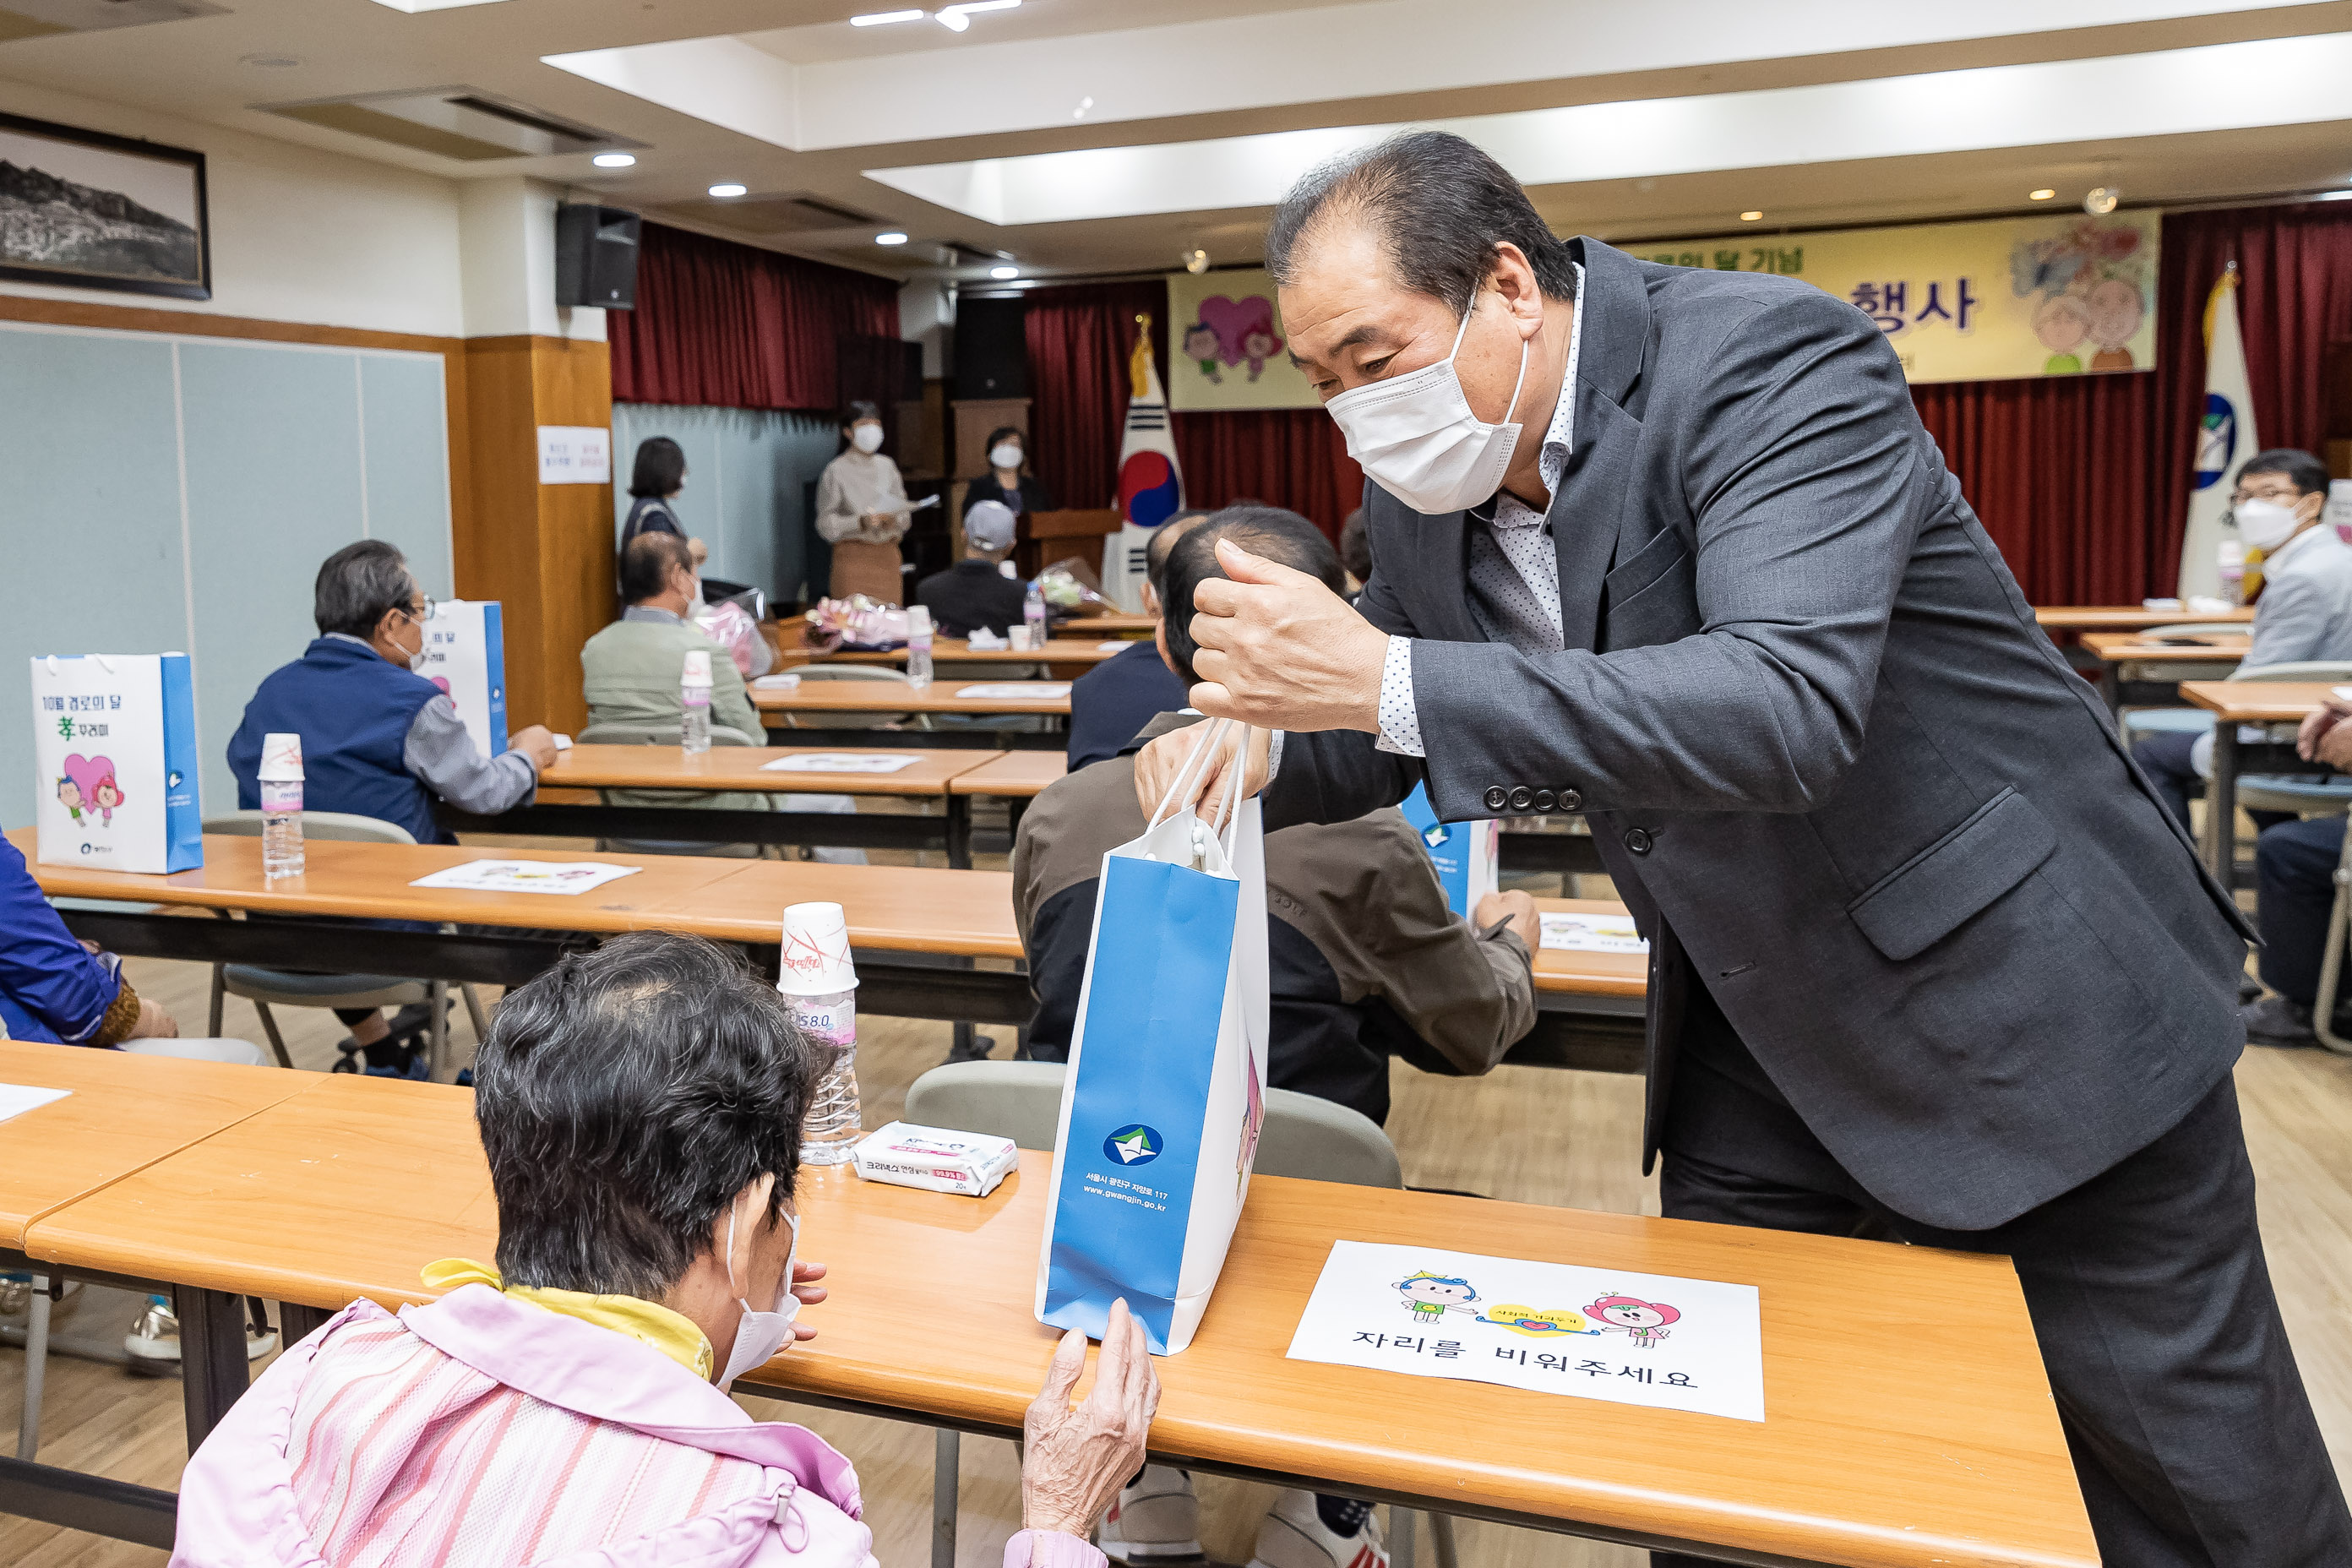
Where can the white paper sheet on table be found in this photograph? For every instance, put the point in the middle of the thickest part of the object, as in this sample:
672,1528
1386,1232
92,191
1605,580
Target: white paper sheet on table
564,877
1592,933
775,682
841,763
15,1099
1009,690
1113,645
1613,1335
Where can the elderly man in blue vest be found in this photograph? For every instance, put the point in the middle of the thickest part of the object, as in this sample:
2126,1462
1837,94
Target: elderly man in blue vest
378,740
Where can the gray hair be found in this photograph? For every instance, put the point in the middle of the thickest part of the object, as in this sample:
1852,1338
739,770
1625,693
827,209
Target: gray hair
1439,207
357,584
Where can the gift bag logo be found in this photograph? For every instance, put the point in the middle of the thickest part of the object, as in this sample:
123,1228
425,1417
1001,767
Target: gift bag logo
1134,1144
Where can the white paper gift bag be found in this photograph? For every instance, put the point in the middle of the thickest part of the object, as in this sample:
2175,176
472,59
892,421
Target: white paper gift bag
114,746
1166,1088
464,656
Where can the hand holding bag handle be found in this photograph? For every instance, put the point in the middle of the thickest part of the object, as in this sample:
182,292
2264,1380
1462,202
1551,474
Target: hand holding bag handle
1195,760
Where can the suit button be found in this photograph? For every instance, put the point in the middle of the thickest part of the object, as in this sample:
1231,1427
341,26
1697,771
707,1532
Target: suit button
1571,800
1497,797
1637,839
1522,797
1546,800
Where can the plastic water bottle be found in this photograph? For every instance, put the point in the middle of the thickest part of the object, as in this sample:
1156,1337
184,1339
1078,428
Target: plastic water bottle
694,702
1033,616
2230,556
281,806
818,982
919,646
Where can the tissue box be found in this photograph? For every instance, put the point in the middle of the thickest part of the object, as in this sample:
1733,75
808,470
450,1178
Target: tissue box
936,1159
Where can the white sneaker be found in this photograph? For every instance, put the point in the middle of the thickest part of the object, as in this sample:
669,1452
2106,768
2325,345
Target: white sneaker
1295,1535
1157,1519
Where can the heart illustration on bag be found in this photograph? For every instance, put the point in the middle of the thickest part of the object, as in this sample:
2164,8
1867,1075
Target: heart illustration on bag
90,786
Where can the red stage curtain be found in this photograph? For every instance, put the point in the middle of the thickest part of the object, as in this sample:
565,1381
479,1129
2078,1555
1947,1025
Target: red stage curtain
1293,458
738,327
1078,339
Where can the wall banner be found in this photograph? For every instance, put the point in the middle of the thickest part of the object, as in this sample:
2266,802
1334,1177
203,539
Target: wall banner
2062,295
1227,347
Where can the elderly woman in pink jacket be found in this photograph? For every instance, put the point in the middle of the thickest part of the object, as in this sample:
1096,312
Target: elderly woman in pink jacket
641,1108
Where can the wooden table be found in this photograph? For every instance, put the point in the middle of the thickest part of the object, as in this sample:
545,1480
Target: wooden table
1908,1421
744,769
1077,650
2233,703
2145,667
777,709
1111,625
2128,617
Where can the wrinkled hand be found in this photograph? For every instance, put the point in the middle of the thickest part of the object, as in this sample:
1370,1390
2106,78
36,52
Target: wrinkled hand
808,1291
1281,651
1160,761
2311,741
154,1023
1077,1456
537,744
1517,908
697,553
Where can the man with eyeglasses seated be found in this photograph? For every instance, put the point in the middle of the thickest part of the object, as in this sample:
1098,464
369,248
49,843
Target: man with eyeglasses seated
378,740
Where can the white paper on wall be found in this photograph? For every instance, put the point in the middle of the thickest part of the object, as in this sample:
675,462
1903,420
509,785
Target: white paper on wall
575,455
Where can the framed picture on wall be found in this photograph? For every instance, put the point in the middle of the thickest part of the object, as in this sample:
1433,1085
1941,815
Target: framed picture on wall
86,210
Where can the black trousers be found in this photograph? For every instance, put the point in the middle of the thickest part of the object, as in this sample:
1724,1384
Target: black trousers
2191,1435
2295,868
2164,757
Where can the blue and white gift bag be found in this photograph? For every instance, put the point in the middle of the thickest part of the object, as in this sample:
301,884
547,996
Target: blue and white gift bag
1166,1088
114,752
1464,852
464,656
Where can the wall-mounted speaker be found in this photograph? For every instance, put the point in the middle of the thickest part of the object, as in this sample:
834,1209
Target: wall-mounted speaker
596,256
992,349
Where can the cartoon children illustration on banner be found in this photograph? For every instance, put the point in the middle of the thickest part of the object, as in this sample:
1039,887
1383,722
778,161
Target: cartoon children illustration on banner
89,785
1645,1322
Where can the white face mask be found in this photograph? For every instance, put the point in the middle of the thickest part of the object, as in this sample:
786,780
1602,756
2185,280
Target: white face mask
1416,435
760,1334
1007,456
867,437
2266,524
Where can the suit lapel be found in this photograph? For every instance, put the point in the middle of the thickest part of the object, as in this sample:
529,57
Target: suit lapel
1595,488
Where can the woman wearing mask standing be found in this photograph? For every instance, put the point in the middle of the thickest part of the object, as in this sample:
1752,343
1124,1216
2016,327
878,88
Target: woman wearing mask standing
862,511
1022,492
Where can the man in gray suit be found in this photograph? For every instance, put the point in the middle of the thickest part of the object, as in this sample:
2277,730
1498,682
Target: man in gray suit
1929,959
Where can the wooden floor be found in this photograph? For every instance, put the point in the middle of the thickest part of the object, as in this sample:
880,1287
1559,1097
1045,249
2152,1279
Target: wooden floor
1522,1133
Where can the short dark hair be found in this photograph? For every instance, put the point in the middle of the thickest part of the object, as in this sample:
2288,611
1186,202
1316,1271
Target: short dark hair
1356,547
1164,540
999,433
1439,207
661,468
625,1096
645,561
861,409
2305,473
357,584
1280,536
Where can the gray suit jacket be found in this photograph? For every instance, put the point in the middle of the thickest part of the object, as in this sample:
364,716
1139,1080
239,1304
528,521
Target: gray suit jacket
2305,611
1842,778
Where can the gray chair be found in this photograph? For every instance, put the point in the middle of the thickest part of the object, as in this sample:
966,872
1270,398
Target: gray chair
663,734
1302,1136
266,988
852,721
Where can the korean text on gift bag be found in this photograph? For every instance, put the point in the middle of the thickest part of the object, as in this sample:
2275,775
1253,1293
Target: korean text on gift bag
1166,1088
464,656
1464,853
114,750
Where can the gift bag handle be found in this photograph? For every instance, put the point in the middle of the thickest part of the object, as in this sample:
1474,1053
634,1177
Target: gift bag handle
1226,823
1179,788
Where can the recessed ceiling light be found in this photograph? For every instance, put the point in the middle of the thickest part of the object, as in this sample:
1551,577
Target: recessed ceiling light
893,238
1196,261
727,188
2103,200
1004,274
1080,111
883,18
413,6
613,160
1749,217
2042,195
953,21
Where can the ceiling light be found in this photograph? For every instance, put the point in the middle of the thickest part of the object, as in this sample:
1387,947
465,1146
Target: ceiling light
2042,195
413,6
953,21
972,7
613,160
2333,196
1196,261
883,18
893,238
1080,111
1004,274
2101,200
1749,217
727,188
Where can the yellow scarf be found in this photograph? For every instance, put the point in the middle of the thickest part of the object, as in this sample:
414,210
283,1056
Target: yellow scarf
647,1322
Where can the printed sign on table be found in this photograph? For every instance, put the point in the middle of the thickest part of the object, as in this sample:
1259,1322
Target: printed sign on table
1592,933
841,763
565,876
1555,1327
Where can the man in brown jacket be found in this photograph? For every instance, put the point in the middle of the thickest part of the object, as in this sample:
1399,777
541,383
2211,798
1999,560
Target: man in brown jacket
1365,958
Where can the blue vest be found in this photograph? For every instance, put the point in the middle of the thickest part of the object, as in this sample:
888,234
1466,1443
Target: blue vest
353,710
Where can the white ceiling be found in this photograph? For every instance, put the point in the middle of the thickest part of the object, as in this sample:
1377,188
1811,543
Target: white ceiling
1068,138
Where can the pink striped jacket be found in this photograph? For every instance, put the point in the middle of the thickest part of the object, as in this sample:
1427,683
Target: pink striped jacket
482,1430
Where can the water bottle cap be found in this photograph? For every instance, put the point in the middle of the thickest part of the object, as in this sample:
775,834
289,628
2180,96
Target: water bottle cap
697,667
815,958
2232,551
281,757
918,620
